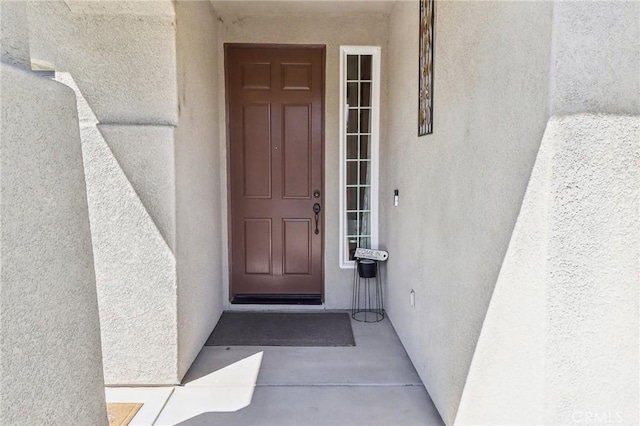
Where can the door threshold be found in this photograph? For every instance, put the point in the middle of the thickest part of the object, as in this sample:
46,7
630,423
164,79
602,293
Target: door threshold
274,308
277,299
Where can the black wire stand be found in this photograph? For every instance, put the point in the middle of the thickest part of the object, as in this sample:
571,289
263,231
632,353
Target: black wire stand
368,301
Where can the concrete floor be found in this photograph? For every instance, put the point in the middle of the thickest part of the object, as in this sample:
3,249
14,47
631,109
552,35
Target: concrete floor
373,383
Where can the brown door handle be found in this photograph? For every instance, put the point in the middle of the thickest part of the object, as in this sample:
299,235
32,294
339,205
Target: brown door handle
316,210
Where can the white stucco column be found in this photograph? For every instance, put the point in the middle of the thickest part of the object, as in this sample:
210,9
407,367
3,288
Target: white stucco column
559,344
50,353
146,86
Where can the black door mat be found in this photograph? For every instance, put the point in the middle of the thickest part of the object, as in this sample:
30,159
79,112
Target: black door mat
282,329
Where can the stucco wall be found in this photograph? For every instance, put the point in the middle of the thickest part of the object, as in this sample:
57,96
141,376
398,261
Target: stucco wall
461,187
332,31
150,131
135,267
570,357
145,153
123,67
124,64
596,57
14,34
513,339
197,160
50,360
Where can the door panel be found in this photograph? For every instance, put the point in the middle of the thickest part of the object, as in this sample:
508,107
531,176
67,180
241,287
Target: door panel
296,76
297,246
256,155
256,76
275,119
296,150
257,240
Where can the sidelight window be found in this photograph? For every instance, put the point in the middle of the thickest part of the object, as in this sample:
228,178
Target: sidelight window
359,138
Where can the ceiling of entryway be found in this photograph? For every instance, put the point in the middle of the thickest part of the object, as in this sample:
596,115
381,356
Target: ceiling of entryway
240,8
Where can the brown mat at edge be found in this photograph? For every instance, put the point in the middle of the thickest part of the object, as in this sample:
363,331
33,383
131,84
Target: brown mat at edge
121,413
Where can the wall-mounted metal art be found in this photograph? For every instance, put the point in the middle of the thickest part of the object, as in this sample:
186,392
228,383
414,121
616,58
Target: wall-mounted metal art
425,87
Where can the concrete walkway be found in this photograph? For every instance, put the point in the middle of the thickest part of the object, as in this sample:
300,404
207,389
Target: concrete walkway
373,383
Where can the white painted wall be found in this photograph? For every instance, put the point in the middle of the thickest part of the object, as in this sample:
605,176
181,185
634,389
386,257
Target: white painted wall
332,30
50,357
197,160
461,187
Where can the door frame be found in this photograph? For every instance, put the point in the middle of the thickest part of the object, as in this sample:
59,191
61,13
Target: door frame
323,49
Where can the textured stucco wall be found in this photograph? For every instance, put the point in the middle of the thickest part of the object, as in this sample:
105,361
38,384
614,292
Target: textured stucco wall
513,339
135,267
592,362
570,357
461,187
50,360
145,153
332,31
135,272
123,63
596,57
197,160
123,67
14,34
152,159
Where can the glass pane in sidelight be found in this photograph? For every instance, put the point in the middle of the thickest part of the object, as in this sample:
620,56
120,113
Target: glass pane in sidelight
352,198
365,172
365,94
352,94
365,242
364,199
364,224
365,153
352,121
352,67
365,117
352,223
365,67
352,244
352,172
352,147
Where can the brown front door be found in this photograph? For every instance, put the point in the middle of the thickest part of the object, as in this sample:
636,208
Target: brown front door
275,107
